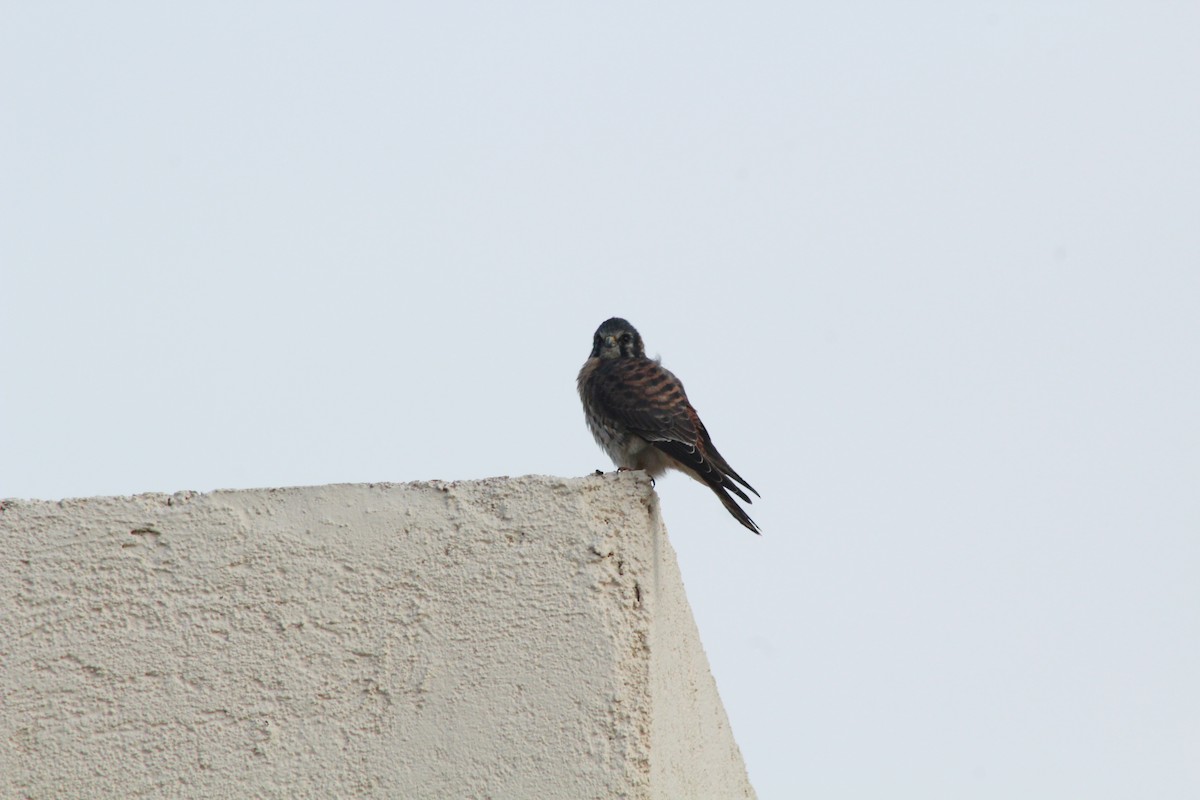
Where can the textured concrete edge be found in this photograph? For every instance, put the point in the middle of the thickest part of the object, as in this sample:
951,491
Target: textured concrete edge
695,753
665,672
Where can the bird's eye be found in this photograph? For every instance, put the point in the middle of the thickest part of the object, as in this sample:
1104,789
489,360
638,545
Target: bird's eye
626,338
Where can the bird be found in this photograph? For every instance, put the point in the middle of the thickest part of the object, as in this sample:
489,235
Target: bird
641,416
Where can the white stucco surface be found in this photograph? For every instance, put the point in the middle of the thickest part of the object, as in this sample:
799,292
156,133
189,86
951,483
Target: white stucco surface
503,638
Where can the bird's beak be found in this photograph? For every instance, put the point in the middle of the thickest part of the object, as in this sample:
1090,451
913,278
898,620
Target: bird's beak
610,341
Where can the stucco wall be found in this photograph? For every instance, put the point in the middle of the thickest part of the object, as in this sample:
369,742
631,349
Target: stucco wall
505,638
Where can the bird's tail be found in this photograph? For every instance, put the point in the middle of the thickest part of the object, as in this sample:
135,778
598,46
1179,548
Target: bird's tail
731,505
716,474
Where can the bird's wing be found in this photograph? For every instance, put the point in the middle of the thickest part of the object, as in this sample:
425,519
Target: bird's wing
651,402
646,398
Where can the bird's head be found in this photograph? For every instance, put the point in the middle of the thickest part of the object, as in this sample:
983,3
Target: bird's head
616,338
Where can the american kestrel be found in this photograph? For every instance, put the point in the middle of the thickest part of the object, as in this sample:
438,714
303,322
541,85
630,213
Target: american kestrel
639,413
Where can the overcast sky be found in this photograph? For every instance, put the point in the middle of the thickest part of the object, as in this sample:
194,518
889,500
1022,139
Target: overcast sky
929,271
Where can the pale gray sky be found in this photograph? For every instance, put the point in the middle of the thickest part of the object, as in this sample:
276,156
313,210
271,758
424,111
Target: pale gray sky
930,272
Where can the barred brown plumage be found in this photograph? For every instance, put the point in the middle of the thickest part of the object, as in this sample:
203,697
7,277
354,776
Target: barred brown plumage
640,415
